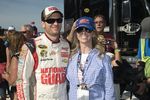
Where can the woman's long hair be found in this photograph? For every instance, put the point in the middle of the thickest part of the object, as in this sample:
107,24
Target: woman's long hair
15,40
96,43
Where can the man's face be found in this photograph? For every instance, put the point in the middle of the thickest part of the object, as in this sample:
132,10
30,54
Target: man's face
99,24
26,32
53,24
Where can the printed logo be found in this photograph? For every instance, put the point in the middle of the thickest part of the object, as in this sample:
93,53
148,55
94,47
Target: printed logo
20,94
52,53
65,60
43,53
53,75
84,21
42,46
46,59
64,52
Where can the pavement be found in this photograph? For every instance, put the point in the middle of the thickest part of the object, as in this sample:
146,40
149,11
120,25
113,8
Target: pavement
126,96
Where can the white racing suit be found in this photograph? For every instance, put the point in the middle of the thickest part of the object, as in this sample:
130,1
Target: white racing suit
48,66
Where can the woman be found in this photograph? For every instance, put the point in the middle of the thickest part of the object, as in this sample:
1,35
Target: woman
89,71
15,42
4,62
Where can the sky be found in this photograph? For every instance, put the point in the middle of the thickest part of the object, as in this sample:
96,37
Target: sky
20,12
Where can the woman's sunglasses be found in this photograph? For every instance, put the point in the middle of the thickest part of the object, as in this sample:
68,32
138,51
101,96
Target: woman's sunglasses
83,29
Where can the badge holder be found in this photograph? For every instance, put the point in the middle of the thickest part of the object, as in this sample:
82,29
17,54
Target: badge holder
82,92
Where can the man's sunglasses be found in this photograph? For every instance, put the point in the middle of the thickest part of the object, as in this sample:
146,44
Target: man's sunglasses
51,21
81,29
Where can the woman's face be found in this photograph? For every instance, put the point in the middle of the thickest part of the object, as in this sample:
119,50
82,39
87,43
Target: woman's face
84,35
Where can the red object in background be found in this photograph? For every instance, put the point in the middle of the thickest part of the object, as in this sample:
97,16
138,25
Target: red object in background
2,67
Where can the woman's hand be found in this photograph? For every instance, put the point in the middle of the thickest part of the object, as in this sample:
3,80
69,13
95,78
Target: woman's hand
71,35
5,75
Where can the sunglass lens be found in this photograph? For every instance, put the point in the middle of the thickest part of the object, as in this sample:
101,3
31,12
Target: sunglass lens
51,21
81,29
59,20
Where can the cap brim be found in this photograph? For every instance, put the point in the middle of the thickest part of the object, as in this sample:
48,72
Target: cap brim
86,26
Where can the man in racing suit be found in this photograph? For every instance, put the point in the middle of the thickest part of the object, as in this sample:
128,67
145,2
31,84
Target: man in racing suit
47,64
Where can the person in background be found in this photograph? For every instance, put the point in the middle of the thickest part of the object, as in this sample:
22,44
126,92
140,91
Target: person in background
89,71
28,31
108,44
11,28
4,63
143,48
35,33
15,40
144,56
47,63
12,88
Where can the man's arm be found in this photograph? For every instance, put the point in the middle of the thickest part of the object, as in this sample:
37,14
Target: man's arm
25,69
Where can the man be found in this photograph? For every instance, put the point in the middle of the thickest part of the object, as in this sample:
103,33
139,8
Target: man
48,63
100,23
109,45
144,56
28,31
107,39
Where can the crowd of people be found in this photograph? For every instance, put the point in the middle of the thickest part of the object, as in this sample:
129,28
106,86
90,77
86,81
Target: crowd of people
82,66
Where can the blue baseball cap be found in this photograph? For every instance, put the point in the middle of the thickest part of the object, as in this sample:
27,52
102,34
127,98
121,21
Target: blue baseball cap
86,22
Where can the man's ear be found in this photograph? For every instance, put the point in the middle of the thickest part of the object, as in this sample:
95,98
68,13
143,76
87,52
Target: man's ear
43,24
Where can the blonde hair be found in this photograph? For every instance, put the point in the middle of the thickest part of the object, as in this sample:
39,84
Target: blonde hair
75,43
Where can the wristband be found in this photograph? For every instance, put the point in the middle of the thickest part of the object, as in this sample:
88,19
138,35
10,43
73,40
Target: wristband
117,50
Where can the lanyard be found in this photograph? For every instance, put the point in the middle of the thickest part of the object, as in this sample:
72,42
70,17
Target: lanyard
79,65
79,62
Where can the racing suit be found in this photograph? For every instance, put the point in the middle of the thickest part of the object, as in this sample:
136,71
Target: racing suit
97,75
48,66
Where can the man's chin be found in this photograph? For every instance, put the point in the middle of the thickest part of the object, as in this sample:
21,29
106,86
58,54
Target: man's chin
55,33
99,31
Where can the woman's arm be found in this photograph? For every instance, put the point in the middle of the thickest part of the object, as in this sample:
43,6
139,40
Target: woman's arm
11,74
8,58
71,34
